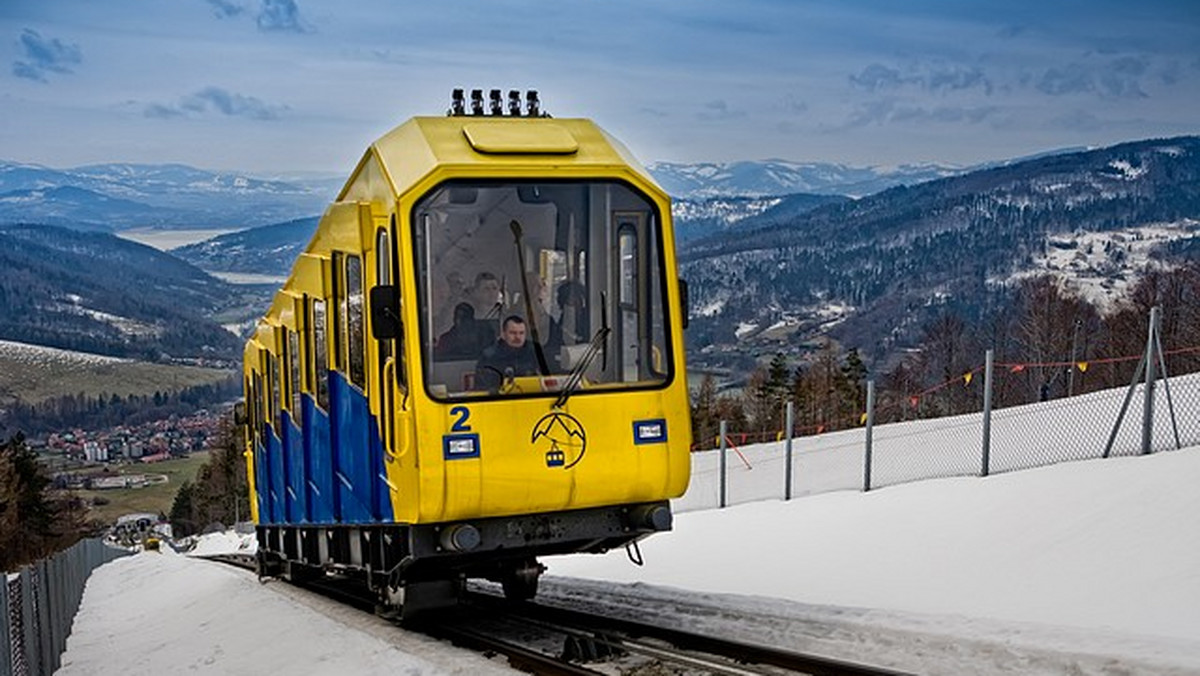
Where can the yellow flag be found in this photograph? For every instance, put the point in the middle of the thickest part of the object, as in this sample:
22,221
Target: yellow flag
862,419
1082,366
967,377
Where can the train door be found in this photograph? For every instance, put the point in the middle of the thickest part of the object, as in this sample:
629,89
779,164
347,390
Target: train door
395,416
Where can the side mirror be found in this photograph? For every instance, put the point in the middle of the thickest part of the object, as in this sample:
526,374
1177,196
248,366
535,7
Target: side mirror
239,414
684,301
385,312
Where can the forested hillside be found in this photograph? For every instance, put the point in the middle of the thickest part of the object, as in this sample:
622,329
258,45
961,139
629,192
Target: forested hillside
872,271
97,293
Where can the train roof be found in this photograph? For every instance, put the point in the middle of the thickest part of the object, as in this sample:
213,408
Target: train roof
427,149
473,144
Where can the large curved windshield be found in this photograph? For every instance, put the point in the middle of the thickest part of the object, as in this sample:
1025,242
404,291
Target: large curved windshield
523,284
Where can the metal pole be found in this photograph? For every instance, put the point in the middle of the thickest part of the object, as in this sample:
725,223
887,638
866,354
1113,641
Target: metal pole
870,432
1151,375
1071,379
1137,374
787,480
1162,362
985,469
721,502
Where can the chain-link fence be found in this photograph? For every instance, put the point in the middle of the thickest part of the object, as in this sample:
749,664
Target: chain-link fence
38,605
1157,411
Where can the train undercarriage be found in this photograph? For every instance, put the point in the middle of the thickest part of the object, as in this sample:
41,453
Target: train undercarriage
416,567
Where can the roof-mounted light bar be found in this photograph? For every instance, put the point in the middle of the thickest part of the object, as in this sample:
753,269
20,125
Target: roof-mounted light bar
495,107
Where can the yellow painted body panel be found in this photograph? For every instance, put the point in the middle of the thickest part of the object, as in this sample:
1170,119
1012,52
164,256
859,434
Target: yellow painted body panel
511,474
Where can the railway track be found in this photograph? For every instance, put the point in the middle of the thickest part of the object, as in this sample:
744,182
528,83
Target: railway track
541,639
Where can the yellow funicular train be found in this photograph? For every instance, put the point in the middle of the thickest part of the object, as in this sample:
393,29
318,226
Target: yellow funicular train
478,360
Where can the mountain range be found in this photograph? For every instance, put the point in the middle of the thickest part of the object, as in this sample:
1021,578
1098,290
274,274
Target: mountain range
870,271
124,196
776,253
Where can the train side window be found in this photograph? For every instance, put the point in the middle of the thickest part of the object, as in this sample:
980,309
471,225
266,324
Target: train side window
255,398
337,310
275,392
294,379
354,322
306,343
320,361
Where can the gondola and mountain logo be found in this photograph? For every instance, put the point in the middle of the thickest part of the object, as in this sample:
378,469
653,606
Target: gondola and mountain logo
561,437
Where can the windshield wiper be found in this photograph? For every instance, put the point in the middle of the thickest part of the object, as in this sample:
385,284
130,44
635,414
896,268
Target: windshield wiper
576,378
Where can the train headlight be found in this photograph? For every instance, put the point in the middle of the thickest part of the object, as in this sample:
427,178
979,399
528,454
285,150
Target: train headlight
462,537
654,517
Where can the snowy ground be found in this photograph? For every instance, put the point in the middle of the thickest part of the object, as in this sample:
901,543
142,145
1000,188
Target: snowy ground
1081,568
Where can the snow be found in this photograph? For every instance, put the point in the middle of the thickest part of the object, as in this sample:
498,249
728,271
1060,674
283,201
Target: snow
1080,568
161,613
745,328
40,355
1103,266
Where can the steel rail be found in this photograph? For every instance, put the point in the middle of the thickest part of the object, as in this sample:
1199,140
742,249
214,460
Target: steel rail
743,653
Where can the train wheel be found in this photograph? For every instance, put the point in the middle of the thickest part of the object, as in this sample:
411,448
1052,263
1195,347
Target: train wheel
520,582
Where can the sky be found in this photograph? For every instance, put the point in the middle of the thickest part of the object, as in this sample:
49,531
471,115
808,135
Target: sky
279,87
1082,569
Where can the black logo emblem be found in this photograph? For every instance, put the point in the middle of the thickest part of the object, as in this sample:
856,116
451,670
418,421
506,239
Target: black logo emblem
561,437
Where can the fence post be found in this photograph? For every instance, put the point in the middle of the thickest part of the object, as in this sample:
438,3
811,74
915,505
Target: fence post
1151,375
787,482
870,430
987,414
45,624
6,661
721,502
29,623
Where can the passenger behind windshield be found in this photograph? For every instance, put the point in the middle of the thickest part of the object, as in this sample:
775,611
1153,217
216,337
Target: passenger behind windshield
466,338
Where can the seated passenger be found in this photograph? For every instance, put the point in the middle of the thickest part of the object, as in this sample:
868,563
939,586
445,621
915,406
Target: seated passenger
465,338
511,356
569,319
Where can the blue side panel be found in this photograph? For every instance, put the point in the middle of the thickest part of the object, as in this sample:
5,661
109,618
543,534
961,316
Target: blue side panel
262,491
296,498
380,494
318,463
275,480
353,478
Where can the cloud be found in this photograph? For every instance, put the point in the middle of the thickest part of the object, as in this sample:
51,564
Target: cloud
886,111
44,56
281,15
1117,78
719,110
878,76
1076,120
936,78
225,9
219,101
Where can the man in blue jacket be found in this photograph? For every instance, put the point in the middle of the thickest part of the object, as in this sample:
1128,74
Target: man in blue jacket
511,356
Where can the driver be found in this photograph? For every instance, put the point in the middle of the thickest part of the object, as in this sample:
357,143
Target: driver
511,356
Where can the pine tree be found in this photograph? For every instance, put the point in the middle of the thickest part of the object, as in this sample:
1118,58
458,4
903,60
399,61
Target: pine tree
705,423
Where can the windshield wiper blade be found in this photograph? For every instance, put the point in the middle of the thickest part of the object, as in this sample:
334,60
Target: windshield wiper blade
576,378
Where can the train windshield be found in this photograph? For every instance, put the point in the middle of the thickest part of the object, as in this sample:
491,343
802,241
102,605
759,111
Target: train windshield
525,286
